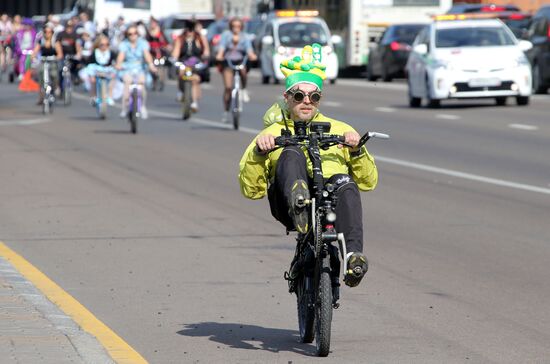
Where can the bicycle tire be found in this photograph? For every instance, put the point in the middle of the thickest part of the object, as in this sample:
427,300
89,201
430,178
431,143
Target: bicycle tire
162,77
103,104
306,310
323,308
186,105
235,109
67,92
133,112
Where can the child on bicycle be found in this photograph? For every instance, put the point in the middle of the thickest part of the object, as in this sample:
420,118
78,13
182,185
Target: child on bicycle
132,61
284,174
47,46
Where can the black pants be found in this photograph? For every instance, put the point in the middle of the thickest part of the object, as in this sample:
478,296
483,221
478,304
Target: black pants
291,167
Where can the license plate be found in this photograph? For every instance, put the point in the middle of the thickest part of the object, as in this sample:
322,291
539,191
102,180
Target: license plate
484,82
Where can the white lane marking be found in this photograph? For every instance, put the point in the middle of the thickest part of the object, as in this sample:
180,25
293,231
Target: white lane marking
523,127
447,116
468,176
399,162
332,103
24,122
384,109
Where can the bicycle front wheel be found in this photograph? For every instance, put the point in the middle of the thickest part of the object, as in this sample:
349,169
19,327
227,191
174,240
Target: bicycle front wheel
133,111
67,89
103,104
187,97
323,308
235,109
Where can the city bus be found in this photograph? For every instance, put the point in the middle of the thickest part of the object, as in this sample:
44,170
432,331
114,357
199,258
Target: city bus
361,22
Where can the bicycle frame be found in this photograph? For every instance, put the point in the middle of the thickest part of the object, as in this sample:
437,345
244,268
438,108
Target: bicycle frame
102,89
49,97
236,103
315,269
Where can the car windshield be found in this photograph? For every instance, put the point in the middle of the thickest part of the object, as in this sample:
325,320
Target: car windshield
472,37
298,34
406,33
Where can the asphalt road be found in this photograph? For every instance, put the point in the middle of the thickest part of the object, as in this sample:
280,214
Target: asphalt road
151,234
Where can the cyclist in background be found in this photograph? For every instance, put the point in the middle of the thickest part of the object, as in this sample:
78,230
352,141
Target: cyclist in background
191,49
234,46
157,40
6,31
25,40
71,47
47,46
133,57
101,58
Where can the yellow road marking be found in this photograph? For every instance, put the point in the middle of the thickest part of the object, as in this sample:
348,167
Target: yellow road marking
117,348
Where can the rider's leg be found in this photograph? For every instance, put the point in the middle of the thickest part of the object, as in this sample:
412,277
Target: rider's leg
349,221
348,211
228,85
141,80
127,79
93,90
244,73
196,88
291,167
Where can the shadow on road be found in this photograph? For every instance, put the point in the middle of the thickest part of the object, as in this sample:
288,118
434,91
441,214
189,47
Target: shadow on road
242,336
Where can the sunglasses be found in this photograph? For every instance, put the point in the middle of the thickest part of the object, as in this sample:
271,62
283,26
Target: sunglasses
298,96
104,44
132,33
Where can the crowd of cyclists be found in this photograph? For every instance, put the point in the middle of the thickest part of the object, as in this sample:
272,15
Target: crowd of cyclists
130,52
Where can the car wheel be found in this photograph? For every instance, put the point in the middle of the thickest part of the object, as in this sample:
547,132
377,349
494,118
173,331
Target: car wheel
538,86
501,101
522,100
432,103
413,101
386,77
370,76
265,80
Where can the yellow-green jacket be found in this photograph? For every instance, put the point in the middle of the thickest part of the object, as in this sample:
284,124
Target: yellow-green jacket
256,170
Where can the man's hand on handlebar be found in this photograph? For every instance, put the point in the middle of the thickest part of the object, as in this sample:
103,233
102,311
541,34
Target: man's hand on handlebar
265,143
351,139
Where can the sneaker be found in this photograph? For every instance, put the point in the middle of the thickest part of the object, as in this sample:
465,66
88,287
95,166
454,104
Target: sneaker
144,115
299,199
110,101
123,114
356,267
246,97
194,106
225,117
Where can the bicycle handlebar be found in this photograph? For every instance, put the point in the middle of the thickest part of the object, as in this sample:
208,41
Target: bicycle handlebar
327,140
240,66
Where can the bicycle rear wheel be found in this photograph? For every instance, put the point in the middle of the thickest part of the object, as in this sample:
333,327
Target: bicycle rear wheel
323,309
133,111
235,109
187,97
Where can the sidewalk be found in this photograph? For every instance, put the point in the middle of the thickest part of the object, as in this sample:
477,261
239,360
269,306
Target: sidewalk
34,330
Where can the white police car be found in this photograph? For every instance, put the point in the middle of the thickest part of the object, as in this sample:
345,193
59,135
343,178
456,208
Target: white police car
284,35
468,58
